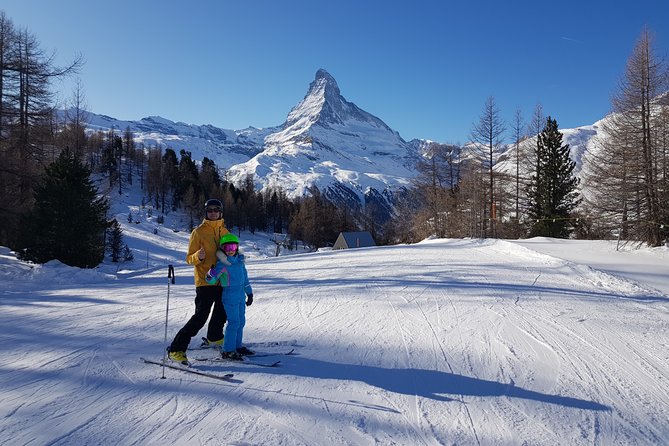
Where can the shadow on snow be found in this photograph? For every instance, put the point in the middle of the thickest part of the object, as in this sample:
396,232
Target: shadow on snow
432,384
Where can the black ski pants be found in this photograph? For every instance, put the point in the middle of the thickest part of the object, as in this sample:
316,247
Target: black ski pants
205,297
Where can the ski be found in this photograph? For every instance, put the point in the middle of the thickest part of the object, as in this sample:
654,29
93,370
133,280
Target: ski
244,362
261,364
265,354
257,354
183,368
268,344
288,344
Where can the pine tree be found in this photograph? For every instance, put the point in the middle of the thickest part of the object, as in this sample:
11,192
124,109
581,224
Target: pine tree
68,220
115,241
552,190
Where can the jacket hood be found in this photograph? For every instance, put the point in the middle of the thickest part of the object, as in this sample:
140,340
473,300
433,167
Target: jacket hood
239,258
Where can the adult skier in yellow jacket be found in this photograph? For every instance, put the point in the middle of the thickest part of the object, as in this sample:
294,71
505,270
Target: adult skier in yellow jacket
201,254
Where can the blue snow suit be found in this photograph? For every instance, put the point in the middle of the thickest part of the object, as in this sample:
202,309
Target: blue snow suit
232,274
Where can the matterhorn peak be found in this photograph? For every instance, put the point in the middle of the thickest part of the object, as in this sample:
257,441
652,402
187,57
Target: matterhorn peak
325,82
323,74
324,106
322,97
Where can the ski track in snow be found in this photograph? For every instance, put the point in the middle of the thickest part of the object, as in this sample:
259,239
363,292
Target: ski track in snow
444,342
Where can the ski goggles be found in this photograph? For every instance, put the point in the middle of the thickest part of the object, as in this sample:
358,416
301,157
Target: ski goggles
214,209
230,247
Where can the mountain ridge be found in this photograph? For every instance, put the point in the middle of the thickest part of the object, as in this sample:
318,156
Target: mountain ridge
327,142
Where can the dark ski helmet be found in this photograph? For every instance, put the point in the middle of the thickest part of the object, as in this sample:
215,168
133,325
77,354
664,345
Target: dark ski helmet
213,202
214,206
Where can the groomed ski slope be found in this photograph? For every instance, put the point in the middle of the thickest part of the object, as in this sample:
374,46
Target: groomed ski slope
462,342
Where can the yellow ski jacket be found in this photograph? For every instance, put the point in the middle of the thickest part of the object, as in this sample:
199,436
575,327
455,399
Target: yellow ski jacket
206,235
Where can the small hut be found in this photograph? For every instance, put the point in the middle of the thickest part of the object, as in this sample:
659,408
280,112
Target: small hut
348,240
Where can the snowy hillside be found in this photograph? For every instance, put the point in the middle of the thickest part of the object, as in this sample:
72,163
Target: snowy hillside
225,147
464,342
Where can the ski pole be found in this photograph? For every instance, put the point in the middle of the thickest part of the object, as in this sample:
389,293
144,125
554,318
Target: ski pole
170,279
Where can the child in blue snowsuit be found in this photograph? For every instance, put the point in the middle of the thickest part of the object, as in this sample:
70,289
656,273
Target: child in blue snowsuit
231,272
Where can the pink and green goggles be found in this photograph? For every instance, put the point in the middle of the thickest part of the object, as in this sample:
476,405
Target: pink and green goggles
230,247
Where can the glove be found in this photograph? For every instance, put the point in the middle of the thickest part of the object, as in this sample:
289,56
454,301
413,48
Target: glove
217,272
211,276
249,300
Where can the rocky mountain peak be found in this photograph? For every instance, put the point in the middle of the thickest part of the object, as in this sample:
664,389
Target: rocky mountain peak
324,106
327,84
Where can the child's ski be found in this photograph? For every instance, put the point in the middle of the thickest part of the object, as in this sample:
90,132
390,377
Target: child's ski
244,362
183,368
205,345
264,354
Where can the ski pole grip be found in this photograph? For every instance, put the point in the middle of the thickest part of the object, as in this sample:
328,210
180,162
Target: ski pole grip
170,273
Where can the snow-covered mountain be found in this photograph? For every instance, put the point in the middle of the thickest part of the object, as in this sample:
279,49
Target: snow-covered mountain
581,140
225,147
351,156
328,142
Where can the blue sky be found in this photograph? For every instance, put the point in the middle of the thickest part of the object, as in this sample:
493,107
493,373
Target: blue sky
426,68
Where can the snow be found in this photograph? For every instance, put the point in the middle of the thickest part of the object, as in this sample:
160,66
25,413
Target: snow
538,341
325,138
